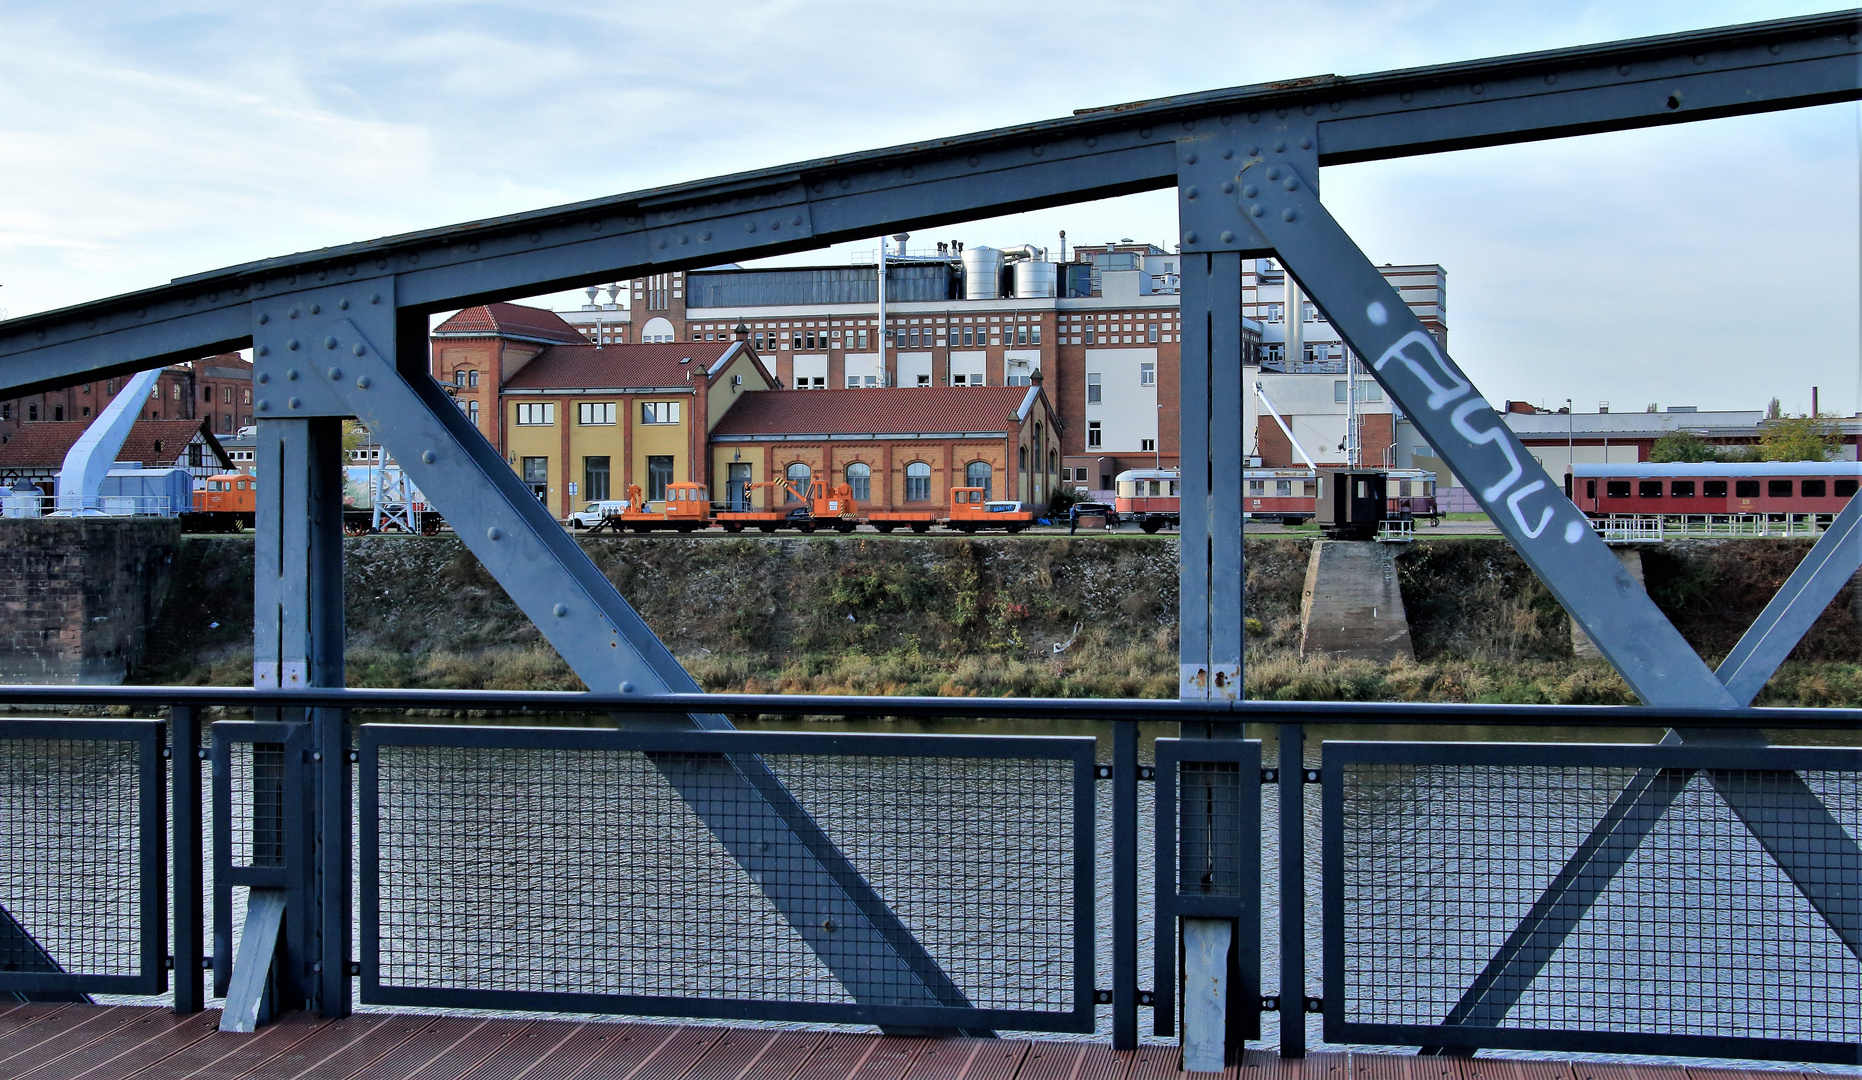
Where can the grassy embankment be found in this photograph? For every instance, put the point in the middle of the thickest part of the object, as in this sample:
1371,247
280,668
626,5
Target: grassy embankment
982,617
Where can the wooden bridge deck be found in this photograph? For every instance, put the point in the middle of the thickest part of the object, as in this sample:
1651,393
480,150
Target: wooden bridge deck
67,1042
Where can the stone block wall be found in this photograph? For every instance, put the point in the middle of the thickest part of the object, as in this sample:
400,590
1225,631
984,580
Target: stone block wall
77,595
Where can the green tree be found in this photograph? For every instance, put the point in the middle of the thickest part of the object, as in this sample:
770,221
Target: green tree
1683,446
355,436
1798,438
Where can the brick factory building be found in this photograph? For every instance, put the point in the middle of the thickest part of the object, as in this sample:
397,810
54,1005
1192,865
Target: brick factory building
217,390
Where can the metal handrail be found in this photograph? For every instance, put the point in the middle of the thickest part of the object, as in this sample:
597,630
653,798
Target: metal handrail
1138,709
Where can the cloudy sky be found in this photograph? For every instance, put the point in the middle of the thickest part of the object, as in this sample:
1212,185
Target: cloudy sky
1709,264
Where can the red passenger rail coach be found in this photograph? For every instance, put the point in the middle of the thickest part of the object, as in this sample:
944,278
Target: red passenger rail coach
1715,489
1151,498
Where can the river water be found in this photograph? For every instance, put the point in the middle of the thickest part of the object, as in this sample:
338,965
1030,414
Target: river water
572,872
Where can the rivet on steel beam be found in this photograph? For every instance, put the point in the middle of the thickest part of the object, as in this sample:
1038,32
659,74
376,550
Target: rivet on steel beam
1228,187
1189,159
627,688
1280,146
1227,119
1228,237
1477,88
846,182
142,313
1249,191
336,373
290,374
1406,97
1291,183
908,172
1306,109
293,403
264,376
1190,192
1254,118
1776,48
1338,106
1551,78
1254,149
1256,210
1622,69
213,298
343,303
1273,172
429,456
329,343
350,270
974,161
1306,143
263,350
413,257
798,220
662,244
560,610
374,298
773,225
1037,149
1228,154
749,226
316,309
362,383
1288,214
322,274
1092,141
264,406
1144,133
291,344
1189,125
293,313
1189,237
706,235
535,237
593,226
1280,113
494,533
358,348
473,247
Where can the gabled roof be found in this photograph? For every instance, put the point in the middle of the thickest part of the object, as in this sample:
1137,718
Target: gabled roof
927,410
614,367
44,444
511,321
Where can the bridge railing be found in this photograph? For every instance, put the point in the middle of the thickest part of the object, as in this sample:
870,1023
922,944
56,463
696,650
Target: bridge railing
1694,897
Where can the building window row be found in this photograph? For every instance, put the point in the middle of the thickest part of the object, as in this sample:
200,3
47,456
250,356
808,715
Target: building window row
536,414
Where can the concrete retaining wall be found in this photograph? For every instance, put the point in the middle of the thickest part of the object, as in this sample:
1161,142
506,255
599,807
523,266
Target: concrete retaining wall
77,595
1351,605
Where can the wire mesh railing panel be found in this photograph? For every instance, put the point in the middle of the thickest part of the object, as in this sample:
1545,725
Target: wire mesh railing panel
80,857
632,872
1566,897
256,810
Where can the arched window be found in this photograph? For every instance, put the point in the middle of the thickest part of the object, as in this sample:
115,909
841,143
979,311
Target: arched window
472,378
1053,461
1021,460
917,482
976,475
860,480
459,377
798,478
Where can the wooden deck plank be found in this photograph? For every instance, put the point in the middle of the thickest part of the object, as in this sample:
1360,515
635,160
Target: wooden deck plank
1155,1063
1480,1068
891,1059
837,1057
420,1049
623,1051
666,1060
521,1053
153,1029
228,1056
581,1047
1260,1065
62,1032
340,1050
730,1054
469,1049
1590,1070
22,1017
783,1057
969,1059
1053,1061
1104,1063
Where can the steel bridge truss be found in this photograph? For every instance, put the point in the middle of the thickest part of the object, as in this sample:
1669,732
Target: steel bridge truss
342,332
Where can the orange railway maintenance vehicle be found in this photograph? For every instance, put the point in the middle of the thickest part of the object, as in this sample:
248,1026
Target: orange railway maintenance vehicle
227,503
687,509
970,511
821,508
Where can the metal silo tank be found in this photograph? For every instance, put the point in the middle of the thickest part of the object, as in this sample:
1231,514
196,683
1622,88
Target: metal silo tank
982,273
1034,279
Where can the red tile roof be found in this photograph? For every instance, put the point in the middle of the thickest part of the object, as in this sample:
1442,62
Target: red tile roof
879,411
44,444
566,367
510,320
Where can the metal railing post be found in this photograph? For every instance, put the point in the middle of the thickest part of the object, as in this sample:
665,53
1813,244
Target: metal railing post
1292,891
1124,885
185,821
333,844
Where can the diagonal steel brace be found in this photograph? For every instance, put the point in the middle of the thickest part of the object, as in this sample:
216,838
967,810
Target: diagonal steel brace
1281,211
314,358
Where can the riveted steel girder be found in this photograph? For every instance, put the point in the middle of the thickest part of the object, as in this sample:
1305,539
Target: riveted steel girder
1095,153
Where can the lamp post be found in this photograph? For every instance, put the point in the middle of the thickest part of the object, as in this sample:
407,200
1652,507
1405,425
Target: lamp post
1571,464
1157,441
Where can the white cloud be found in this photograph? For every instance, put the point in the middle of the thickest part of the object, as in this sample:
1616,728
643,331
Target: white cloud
146,142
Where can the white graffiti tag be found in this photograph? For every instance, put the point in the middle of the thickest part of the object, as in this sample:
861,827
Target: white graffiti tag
1512,503
1439,394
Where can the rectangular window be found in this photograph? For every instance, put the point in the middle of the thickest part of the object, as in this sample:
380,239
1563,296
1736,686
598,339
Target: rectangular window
595,478
472,379
247,395
1649,489
1147,374
1814,489
1712,489
594,412
1339,393
659,412
1092,388
659,474
1778,489
1746,489
472,411
536,470
1616,489
1092,434
536,413
1092,335
1845,488
1148,444
969,335
1151,333
1021,335
1034,335
1257,488
862,338
1681,489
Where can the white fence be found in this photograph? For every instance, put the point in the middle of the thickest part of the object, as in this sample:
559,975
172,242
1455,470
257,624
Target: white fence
1624,529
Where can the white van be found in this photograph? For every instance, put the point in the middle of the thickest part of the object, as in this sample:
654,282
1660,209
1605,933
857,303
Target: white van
591,515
